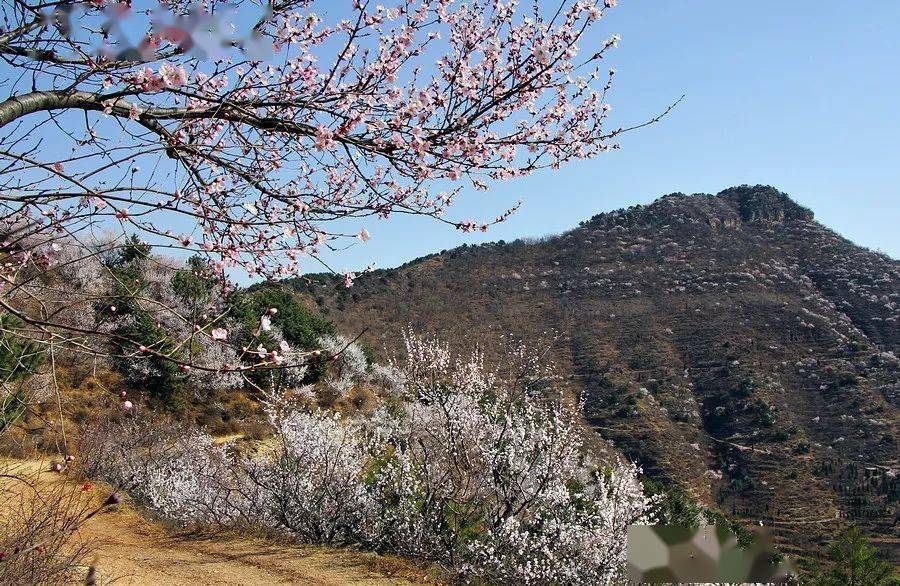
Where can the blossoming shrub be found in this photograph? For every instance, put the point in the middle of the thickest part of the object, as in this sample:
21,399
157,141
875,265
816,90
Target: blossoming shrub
504,490
181,476
480,469
19,359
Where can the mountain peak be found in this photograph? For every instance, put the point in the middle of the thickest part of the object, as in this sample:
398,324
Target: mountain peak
744,204
764,203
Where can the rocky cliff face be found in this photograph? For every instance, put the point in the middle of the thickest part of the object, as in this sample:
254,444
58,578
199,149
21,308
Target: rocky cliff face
727,342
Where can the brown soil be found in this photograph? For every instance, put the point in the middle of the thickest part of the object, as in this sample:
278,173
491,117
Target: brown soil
131,550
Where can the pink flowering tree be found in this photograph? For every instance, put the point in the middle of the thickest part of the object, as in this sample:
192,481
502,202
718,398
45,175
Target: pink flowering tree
255,146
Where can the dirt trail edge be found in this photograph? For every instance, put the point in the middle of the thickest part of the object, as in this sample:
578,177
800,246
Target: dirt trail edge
129,549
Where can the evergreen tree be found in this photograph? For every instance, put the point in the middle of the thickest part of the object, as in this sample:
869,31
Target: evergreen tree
853,562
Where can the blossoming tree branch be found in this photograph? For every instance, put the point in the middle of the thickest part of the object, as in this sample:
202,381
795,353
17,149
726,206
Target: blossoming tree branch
257,163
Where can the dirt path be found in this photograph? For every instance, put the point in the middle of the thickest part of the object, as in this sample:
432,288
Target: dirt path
129,549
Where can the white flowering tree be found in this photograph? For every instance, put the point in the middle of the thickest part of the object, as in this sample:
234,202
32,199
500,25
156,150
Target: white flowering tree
476,467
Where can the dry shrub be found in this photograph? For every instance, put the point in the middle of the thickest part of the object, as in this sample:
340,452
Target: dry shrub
258,431
14,444
39,521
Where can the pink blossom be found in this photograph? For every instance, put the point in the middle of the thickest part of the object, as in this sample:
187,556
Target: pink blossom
308,75
324,139
273,155
173,76
219,334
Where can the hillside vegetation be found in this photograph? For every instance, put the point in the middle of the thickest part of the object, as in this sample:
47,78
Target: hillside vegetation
728,343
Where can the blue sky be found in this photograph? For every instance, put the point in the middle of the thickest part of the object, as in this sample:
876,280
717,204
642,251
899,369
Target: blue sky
801,95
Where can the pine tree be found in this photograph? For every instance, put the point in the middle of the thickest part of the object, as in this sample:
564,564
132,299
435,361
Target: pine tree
854,563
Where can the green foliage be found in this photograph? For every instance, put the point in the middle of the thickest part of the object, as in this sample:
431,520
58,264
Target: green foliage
301,327
19,359
126,266
377,464
192,284
801,448
676,507
853,562
746,388
162,379
133,250
848,379
465,521
12,407
744,537
371,354
194,288
764,413
780,435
